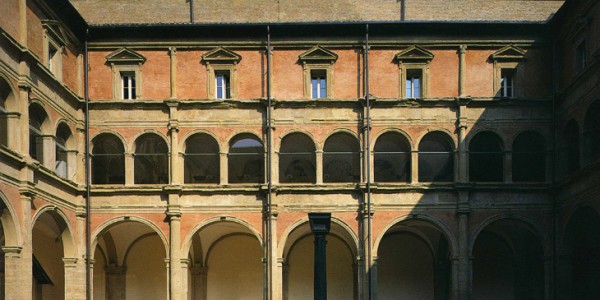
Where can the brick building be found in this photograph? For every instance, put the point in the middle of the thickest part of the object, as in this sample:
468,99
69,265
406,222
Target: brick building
179,145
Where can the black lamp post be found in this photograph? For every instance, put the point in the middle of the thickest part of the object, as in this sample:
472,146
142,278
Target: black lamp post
319,225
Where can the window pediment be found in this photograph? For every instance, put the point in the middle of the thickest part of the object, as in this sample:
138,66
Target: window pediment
414,53
508,53
221,55
125,56
54,29
318,54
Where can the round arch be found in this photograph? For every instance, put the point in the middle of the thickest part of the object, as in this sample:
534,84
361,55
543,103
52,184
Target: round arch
111,132
10,221
393,130
114,221
155,132
444,132
321,144
437,224
185,138
298,131
242,132
61,219
500,136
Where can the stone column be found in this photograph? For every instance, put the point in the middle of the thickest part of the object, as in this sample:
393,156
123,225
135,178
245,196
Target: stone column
374,277
462,161
24,119
464,258
129,168
319,157
115,282
175,259
176,167
462,69
49,148
24,279
276,288
224,171
79,165
414,165
275,167
12,122
284,269
173,69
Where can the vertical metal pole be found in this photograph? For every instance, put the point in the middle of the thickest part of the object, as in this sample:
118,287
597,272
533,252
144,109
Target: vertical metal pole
88,263
268,277
368,159
191,11
320,223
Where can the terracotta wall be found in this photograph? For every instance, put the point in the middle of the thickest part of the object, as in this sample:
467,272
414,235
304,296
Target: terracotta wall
383,74
156,75
191,75
250,70
443,71
70,69
10,17
35,31
100,83
287,75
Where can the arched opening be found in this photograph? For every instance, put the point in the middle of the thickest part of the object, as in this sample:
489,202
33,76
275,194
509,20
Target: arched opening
201,159
37,117
297,159
591,131
221,254
392,158
580,265
529,157
129,263
341,158
50,236
508,262
108,160
246,159
569,148
6,97
151,160
413,262
436,158
486,157
298,276
63,143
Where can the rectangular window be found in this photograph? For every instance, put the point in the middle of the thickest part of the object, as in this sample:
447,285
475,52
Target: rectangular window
580,57
318,84
413,83
128,86
223,85
53,56
507,83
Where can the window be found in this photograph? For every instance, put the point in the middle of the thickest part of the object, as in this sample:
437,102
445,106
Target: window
55,41
108,160
37,117
53,58
151,160
317,64
580,57
506,83
413,83
61,162
128,85
223,84
392,158
201,159
436,158
413,64
297,160
318,84
529,157
341,159
221,65
126,66
486,157
246,159
508,71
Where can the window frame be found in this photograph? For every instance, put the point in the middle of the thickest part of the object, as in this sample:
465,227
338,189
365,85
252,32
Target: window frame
509,59
221,60
410,60
132,86
317,60
126,61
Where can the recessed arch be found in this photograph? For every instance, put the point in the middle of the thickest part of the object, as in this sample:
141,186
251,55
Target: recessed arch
62,221
529,157
246,159
486,157
110,132
341,157
10,221
297,159
591,131
151,159
436,157
201,158
399,131
108,159
8,104
392,157
530,224
184,139
300,131
443,132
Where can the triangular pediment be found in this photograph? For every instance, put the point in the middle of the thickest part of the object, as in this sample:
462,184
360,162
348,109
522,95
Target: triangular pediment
508,53
414,53
125,56
221,54
318,54
56,31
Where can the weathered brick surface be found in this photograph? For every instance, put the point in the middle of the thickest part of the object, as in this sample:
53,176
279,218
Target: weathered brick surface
259,11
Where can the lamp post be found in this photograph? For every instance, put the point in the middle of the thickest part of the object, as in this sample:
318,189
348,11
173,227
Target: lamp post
319,225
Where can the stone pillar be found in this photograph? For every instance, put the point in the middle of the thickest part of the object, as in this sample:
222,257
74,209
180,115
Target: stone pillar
284,269
274,264
275,167
462,162
173,69
12,122
176,167
13,272
115,282
374,278
23,23
199,283
79,166
24,279
507,167
319,156
175,285
74,279
24,119
414,165
464,258
224,171
454,280
462,69
49,148
129,168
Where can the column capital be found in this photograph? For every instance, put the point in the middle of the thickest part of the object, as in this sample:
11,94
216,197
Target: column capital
11,249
